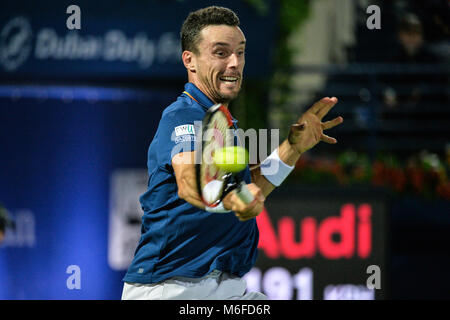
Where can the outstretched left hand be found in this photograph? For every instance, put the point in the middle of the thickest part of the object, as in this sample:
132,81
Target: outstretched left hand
308,131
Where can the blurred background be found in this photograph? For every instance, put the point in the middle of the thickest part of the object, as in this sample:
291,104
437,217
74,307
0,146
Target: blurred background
368,218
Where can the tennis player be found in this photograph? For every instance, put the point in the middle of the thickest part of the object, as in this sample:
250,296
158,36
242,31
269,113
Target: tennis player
187,250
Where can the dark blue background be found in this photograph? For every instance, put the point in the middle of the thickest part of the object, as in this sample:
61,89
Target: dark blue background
56,160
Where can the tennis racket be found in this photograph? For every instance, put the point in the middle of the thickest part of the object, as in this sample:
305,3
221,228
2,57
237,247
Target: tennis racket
215,183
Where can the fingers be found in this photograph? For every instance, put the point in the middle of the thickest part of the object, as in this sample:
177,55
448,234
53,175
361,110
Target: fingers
328,139
330,103
250,215
256,191
328,125
321,107
236,204
248,211
316,107
253,210
244,210
332,123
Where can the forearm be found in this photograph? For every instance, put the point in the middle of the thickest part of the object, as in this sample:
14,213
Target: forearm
287,154
187,189
262,183
195,201
185,175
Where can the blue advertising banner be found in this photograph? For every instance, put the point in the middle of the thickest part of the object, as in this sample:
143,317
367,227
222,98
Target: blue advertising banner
67,167
115,39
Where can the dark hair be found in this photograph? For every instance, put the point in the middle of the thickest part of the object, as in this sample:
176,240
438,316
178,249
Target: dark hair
197,20
410,23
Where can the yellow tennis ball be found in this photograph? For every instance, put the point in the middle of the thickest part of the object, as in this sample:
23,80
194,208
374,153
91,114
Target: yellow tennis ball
231,159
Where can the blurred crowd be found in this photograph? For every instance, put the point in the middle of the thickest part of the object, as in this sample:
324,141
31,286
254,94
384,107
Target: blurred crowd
394,98
422,38
423,30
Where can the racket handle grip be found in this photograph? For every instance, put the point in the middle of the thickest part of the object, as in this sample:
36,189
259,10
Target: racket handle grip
244,193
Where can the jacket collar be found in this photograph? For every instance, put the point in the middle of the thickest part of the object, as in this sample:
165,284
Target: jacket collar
195,93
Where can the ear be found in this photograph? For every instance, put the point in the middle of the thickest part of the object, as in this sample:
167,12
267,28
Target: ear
189,60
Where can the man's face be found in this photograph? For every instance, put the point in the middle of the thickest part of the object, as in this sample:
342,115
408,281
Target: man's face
220,62
411,41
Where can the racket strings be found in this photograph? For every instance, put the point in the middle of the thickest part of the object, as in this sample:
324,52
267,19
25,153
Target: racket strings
217,135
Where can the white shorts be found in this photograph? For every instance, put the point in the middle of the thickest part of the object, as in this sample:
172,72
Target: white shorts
215,286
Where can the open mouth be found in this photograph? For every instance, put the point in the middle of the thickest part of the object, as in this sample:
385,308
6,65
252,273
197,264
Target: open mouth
229,79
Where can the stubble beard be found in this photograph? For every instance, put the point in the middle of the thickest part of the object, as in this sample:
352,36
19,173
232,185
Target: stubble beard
221,98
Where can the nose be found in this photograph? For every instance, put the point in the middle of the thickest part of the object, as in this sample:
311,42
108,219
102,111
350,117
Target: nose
233,61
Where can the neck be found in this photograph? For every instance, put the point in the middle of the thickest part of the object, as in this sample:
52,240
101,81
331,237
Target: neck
199,85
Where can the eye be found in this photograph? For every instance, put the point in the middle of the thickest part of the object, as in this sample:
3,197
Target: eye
220,53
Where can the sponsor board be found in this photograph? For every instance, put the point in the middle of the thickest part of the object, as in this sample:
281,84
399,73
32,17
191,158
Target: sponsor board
126,185
312,248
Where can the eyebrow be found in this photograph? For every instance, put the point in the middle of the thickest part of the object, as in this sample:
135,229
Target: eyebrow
226,44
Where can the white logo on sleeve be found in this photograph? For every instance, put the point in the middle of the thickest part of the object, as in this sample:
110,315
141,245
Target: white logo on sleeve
184,129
